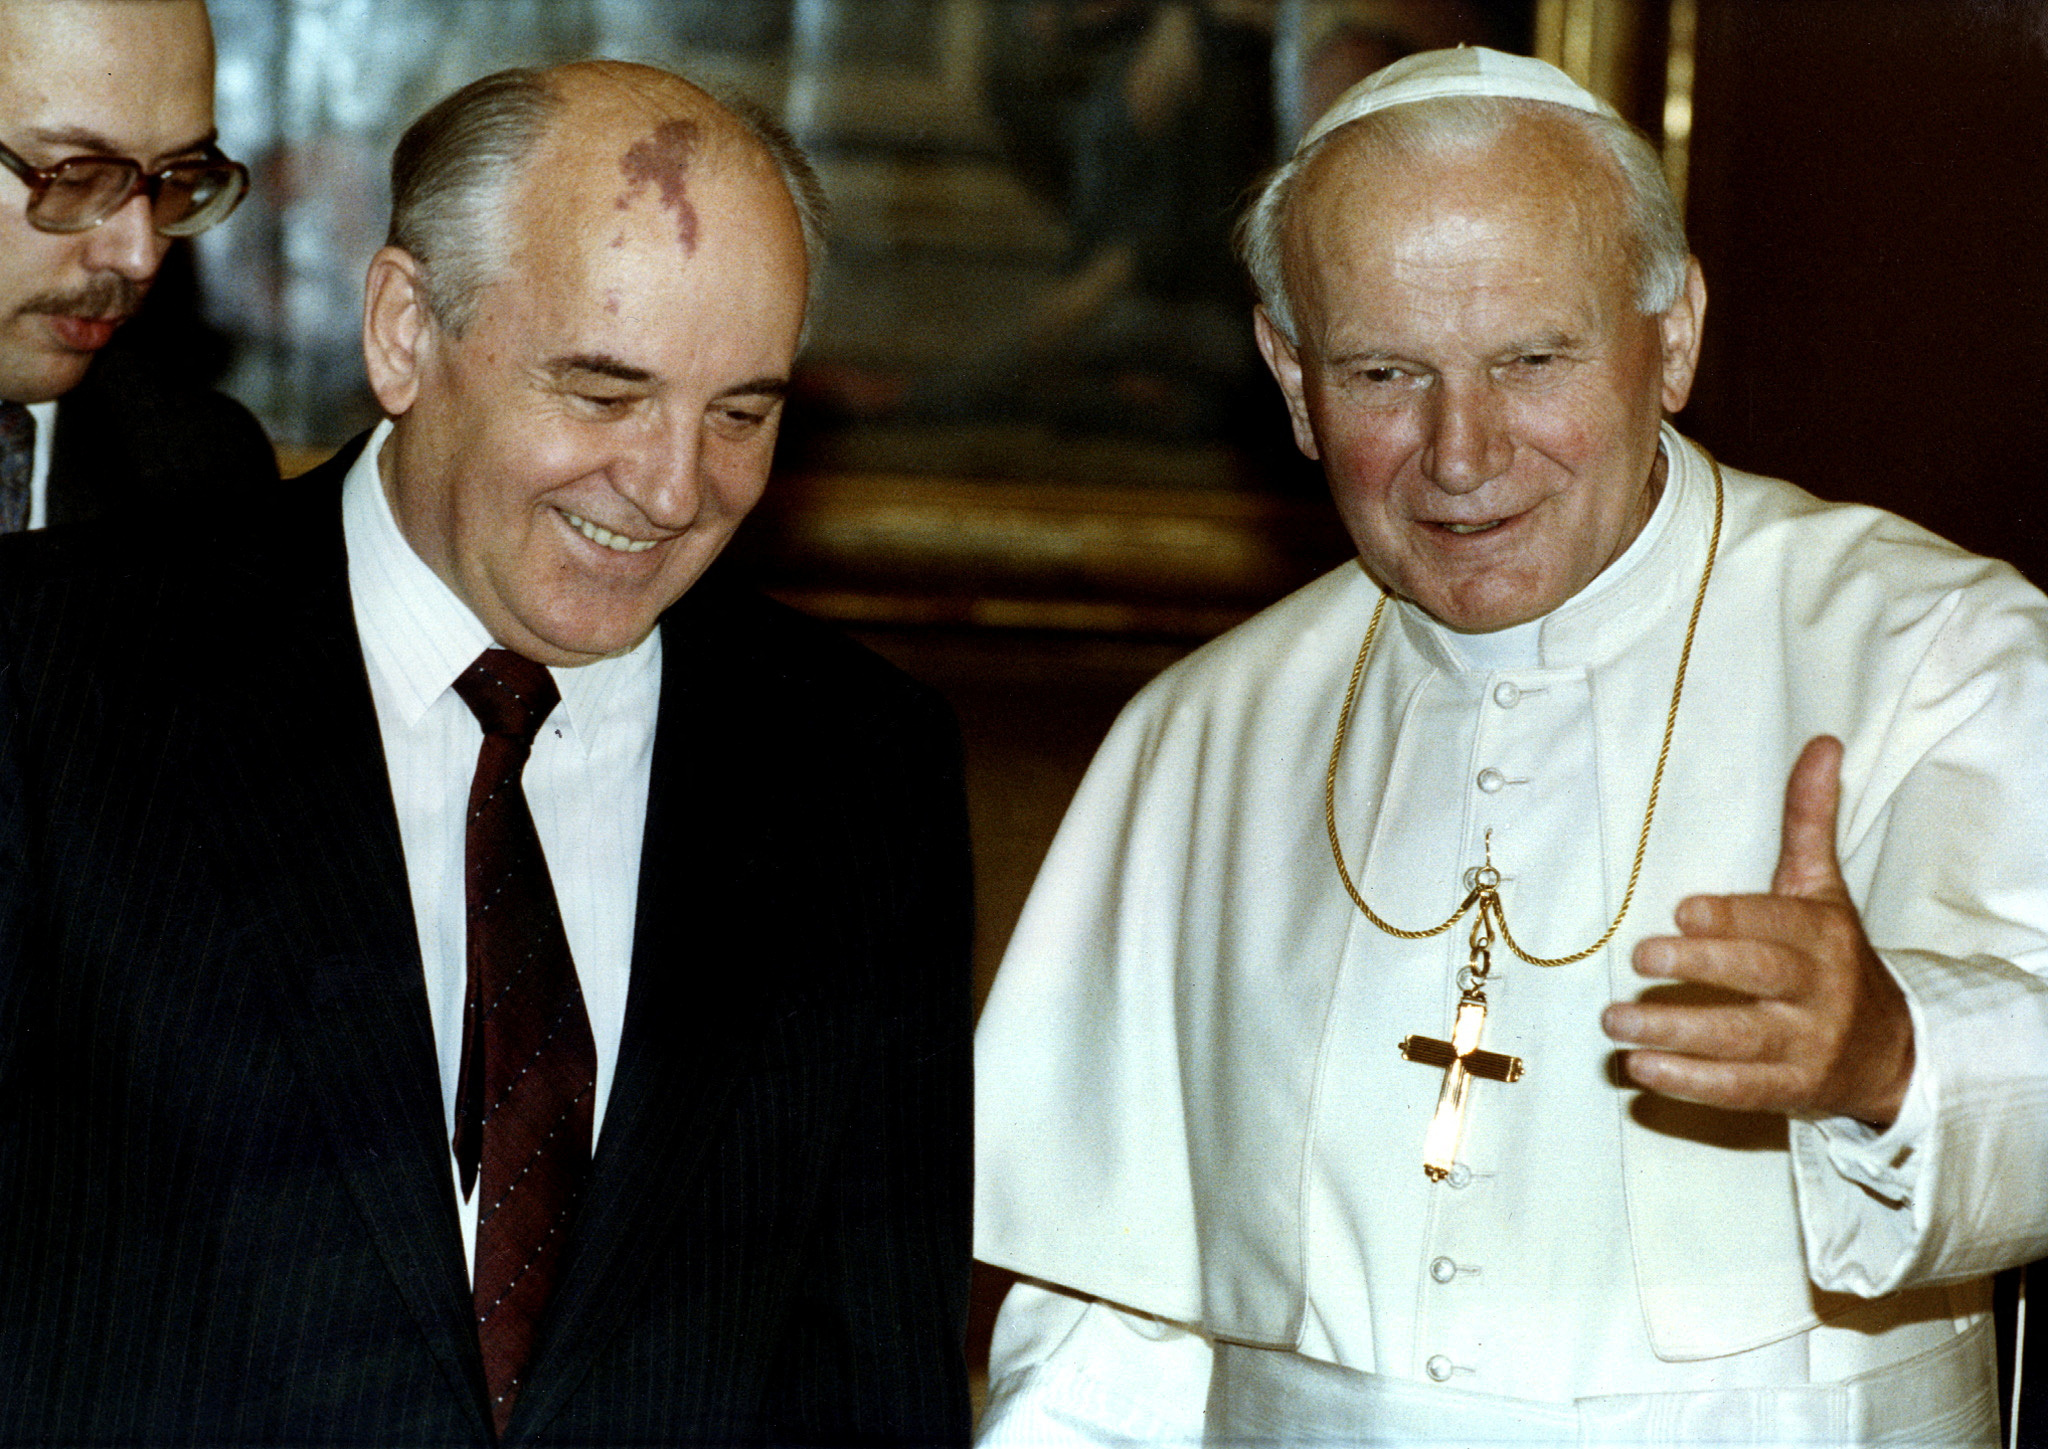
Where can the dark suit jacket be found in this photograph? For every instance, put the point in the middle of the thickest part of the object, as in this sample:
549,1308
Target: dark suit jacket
131,440
226,1212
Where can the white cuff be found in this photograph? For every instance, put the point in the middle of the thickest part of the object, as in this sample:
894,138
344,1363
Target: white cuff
1950,1190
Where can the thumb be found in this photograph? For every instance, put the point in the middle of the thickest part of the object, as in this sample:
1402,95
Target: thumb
1806,852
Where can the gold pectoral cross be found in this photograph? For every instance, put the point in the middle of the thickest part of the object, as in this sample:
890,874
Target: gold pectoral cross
1461,1057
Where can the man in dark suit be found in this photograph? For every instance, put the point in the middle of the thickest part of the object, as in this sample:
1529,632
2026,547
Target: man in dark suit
106,156
391,1053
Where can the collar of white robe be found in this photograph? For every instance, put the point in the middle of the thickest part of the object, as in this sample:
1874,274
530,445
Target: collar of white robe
1485,896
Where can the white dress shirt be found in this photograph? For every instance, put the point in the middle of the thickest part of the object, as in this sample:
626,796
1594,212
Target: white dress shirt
586,782
45,414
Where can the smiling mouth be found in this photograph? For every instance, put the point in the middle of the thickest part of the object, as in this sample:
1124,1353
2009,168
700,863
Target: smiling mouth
1461,529
603,537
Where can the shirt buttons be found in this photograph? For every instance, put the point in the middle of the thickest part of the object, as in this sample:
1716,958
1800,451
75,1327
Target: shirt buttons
1439,1367
1507,694
1459,1176
1491,780
1443,1270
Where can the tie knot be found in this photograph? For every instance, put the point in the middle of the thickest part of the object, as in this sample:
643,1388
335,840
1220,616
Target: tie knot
508,693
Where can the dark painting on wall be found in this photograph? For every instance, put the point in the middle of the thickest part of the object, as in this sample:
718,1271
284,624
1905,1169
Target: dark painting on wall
1031,274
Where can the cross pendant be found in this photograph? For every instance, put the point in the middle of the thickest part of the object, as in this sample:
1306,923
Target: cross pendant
1461,1060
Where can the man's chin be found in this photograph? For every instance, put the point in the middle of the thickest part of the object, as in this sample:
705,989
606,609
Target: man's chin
41,376
1486,613
567,646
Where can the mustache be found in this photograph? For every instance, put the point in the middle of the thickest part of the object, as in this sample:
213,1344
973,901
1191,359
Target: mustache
108,294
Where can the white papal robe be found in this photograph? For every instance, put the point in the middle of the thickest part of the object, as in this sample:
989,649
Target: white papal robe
1191,1104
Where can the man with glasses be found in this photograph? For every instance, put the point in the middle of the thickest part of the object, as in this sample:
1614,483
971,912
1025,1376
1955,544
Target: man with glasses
107,145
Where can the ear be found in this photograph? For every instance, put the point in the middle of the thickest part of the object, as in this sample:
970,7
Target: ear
398,330
1680,329
1284,361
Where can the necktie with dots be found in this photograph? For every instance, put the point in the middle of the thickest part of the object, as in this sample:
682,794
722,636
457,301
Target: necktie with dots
529,1065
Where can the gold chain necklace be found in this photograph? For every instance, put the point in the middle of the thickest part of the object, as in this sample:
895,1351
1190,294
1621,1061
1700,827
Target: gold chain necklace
1485,892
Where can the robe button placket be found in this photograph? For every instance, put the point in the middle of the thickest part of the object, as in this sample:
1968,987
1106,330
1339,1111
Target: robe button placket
1507,694
1443,1270
1492,780
1439,1367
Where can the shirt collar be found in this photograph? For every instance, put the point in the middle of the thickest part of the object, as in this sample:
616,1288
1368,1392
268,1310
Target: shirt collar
420,636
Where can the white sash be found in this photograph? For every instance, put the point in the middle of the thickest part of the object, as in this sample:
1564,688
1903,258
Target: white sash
1945,1397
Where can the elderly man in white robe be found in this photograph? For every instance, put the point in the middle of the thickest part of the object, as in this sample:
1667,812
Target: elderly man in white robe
1574,975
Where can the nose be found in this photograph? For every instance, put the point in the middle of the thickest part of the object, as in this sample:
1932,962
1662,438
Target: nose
661,473
1468,442
127,242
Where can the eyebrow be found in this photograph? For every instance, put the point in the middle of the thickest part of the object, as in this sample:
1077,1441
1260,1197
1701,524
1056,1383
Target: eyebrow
92,141
760,387
602,364
1554,341
1363,354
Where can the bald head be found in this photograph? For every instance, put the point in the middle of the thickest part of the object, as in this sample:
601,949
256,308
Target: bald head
515,138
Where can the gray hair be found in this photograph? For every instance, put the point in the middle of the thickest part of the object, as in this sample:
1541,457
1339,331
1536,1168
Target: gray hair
1653,230
455,168
451,185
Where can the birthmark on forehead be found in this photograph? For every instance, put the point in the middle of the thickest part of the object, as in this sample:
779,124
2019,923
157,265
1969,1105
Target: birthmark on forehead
662,159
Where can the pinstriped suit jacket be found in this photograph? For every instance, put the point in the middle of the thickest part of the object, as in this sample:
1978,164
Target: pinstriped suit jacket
226,1213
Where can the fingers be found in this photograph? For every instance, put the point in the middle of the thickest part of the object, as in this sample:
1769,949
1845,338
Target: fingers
1748,918
1765,1057
1807,866
1819,1027
1757,1055
1734,1086
1767,946
1731,1033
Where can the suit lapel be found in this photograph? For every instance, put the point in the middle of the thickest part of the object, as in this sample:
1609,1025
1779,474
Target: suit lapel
290,766
689,1007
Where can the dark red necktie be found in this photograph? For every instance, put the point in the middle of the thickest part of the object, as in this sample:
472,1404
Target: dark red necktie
17,465
529,1066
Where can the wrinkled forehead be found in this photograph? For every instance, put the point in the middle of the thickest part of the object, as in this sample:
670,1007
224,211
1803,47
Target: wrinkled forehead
1536,184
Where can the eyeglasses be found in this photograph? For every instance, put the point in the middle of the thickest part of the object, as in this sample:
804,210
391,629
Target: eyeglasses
80,192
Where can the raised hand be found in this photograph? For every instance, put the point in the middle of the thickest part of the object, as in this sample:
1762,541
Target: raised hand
1815,1025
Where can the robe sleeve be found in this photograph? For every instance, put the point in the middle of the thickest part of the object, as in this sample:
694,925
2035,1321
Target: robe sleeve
1067,1372
1948,832
1952,1189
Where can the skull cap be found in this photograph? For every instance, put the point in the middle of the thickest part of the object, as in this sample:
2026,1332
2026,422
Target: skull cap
1469,70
